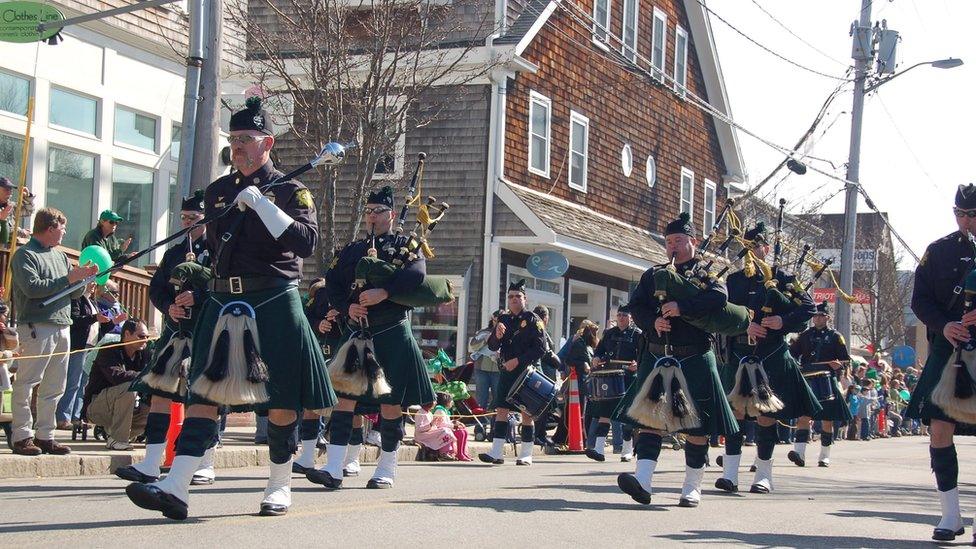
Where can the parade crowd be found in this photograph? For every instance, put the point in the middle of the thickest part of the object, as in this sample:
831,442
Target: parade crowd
695,359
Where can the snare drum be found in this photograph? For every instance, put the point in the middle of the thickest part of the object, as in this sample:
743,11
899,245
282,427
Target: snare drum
532,392
606,385
822,385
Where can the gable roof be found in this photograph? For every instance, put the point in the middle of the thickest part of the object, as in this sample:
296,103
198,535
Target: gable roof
535,14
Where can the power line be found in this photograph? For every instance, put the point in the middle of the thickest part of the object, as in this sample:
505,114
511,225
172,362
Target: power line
904,141
797,36
765,48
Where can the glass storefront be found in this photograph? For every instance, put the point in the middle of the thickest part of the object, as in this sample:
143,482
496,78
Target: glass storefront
132,198
70,182
437,327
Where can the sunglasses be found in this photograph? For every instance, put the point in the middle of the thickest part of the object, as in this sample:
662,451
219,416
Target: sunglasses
244,139
964,213
377,210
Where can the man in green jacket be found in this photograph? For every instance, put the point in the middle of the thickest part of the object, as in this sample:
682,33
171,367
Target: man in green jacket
40,270
104,235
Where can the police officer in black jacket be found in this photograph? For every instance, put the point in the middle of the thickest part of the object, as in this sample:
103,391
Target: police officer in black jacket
937,301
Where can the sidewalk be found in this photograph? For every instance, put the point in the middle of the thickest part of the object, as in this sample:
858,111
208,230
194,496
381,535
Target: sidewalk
90,458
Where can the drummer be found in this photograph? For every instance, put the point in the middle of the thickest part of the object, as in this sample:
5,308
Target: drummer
617,350
519,335
821,349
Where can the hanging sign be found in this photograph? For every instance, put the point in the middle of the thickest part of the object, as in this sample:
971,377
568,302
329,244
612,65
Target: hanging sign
547,264
19,21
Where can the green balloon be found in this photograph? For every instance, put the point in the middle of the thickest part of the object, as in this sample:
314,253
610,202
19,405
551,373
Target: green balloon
99,256
905,394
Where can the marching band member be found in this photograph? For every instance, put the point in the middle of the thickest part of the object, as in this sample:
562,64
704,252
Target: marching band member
252,346
937,301
619,344
780,391
395,347
699,392
179,309
520,341
820,348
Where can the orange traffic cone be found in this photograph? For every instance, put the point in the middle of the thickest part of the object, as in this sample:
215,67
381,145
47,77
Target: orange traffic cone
574,420
175,426
882,422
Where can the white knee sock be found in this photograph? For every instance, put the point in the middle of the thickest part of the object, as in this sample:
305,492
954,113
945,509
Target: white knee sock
386,467
730,467
307,457
154,458
600,445
644,472
351,463
334,456
951,515
206,467
497,448
278,490
177,482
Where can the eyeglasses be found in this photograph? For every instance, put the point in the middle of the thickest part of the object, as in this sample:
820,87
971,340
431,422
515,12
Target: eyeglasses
377,210
244,139
141,336
964,213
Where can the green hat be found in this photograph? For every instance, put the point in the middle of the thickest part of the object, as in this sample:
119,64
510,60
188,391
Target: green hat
109,215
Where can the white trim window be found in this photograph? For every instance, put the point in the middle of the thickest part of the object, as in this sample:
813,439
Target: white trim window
627,160
680,61
14,93
708,216
650,171
391,139
659,40
579,137
628,34
540,131
601,22
687,192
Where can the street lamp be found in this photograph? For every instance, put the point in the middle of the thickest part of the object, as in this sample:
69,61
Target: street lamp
949,63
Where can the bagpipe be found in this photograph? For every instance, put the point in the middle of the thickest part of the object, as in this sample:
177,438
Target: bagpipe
671,285
956,389
355,369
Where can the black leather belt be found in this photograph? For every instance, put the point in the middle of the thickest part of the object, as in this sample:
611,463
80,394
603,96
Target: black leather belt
764,342
241,284
678,350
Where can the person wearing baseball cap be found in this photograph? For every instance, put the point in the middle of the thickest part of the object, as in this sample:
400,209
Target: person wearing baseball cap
104,235
6,209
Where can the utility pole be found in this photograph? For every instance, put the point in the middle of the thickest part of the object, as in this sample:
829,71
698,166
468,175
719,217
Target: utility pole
863,54
207,126
191,98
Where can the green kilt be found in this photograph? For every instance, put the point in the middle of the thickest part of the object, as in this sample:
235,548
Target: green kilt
605,408
785,378
506,380
706,390
403,365
836,409
138,386
297,376
920,406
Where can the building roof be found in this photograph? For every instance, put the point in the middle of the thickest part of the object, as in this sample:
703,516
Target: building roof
578,222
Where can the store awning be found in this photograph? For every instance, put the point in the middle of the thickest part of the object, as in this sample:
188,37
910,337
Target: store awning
589,239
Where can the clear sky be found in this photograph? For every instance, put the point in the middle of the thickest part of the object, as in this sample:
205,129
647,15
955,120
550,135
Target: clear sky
917,139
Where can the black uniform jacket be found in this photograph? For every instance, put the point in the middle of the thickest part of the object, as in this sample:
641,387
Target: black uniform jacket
751,293
937,298
251,250
815,345
523,338
161,292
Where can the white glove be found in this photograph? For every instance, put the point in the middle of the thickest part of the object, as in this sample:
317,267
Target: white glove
272,216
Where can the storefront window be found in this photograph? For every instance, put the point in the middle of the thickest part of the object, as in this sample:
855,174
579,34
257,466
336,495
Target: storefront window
436,327
70,181
132,198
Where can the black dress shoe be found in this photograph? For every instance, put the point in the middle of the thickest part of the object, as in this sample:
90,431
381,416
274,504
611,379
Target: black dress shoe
726,485
684,502
273,510
487,458
759,489
945,534
149,496
594,455
323,478
201,480
796,459
823,464
719,460
132,474
378,483
300,469
629,484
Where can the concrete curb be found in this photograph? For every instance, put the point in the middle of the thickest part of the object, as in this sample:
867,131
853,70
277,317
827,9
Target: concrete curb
228,457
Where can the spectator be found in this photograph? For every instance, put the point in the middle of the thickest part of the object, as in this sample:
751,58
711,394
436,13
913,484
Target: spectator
104,235
40,270
550,367
110,314
436,431
83,332
485,364
867,402
108,401
854,401
6,210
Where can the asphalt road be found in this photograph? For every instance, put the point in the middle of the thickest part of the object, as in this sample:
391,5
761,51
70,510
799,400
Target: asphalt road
875,494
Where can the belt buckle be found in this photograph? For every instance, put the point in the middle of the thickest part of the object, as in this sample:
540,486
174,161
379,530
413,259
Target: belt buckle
957,290
236,285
